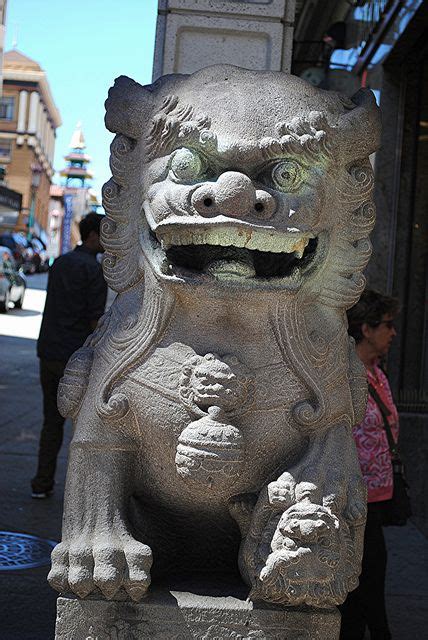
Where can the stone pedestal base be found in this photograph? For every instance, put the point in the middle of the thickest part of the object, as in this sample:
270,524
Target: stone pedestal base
180,615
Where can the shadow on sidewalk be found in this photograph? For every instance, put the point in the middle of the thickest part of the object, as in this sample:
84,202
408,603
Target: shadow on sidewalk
26,601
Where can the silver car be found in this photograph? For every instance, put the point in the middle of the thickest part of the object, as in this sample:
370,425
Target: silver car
12,281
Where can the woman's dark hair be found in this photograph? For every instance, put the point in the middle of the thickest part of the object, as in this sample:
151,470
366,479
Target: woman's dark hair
89,223
370,309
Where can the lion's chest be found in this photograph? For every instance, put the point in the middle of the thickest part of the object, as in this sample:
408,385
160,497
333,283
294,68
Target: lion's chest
209,421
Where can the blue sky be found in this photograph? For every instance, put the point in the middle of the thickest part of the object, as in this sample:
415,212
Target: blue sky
83,45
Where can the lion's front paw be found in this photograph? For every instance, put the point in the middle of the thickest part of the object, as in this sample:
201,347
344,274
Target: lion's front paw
310,559
108,564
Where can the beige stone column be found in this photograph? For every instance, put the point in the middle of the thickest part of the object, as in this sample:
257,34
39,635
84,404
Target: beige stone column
22,112
254,34
34,112
40,116
44,133
50,144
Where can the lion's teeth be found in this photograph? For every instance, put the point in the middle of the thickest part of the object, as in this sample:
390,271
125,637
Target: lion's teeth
250,239
299,247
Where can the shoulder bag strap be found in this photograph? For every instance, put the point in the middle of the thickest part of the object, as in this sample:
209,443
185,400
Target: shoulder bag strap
385,413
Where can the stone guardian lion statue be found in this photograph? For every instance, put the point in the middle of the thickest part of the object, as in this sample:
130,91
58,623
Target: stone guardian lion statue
213,405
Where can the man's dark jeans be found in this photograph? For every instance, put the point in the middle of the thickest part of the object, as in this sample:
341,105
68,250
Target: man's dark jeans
51,372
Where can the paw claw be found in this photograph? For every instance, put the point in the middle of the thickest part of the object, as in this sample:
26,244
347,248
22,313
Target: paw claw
80,581
108,569
57,578
136,592
58,575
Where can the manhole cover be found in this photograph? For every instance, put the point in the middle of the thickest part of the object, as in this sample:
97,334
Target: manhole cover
21,551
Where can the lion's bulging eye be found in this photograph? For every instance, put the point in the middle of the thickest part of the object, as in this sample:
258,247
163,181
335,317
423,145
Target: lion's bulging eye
186,165
287,175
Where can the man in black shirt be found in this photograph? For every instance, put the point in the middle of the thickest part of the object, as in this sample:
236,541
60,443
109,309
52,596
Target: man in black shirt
75,300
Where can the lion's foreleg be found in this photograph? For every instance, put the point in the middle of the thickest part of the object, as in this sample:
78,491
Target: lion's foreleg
97,548
329,474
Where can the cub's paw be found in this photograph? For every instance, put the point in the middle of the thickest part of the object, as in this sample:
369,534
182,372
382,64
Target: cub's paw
107,563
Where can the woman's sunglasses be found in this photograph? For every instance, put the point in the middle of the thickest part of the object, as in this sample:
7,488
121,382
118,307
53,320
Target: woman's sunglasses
388,323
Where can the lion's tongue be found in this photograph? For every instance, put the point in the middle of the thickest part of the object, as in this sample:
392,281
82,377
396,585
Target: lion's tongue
232,263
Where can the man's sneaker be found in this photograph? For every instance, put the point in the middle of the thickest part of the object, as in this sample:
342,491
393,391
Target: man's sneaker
41,495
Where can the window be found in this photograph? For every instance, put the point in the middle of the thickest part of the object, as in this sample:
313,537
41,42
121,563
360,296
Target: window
7,107
5,150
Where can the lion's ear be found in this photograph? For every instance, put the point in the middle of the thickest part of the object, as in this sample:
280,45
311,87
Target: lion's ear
360,127
128,108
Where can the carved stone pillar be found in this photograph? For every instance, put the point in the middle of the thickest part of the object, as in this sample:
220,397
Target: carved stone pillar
255,34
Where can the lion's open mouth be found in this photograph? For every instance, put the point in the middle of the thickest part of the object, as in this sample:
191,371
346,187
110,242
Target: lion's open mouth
234,252
239,262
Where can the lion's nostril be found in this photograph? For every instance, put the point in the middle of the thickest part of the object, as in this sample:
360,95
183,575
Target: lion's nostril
259,207
208,202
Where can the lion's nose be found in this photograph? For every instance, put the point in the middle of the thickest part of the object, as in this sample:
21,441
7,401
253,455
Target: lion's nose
233,195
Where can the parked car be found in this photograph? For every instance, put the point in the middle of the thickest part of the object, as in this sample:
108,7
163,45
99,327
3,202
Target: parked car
12,281
21,249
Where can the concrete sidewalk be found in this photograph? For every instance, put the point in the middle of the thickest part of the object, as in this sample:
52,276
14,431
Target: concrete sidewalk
26,601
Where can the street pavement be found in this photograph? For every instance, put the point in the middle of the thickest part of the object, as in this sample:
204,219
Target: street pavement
27,604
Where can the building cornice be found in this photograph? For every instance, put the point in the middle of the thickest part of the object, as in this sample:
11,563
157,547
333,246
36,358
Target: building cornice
15,75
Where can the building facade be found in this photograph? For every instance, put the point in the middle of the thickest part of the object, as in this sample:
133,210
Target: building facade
28,121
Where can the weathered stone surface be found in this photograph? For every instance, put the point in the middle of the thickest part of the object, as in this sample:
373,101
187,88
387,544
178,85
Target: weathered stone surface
177,615
253,34
213,405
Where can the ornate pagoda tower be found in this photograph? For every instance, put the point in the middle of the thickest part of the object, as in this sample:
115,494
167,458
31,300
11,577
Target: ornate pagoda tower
76,189
76,172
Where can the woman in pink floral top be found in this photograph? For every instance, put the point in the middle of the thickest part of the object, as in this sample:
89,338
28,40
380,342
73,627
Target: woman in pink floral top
370,436
371,325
